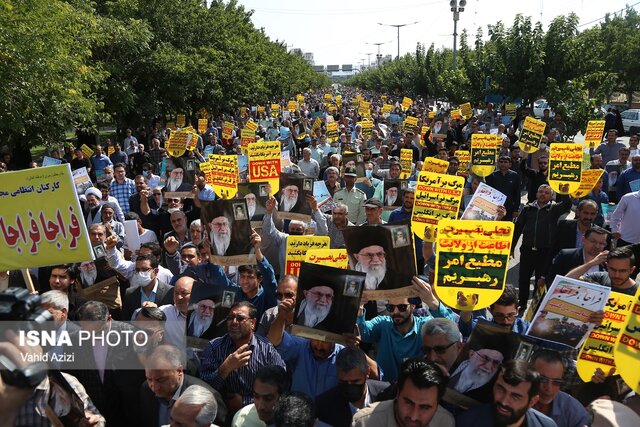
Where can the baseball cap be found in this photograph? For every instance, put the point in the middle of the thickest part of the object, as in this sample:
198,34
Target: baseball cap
350,171
373,203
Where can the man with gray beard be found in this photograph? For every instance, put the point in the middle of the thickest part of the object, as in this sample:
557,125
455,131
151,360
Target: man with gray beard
200,321
315,306
371,260
220,235
477,371
289,199
175,182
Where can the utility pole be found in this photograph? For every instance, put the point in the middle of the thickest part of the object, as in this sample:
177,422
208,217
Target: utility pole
378,56
368,56
457,6
398,26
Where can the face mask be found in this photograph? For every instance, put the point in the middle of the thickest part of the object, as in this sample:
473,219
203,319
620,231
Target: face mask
333,150
140,279
351,392
145,173
543,146
368,173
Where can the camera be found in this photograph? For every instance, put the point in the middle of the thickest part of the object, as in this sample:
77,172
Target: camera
19,304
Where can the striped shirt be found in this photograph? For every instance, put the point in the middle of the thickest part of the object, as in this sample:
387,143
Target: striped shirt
122,192
241,380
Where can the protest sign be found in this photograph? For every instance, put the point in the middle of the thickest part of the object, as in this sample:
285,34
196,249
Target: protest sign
332,131
435,165
455,114
297,247
224,175
437,197
275,110
256,197
472,261
588,180
385,253
406,103
261,109
531,134
627,346
386,108
131,236
464,157
317,124
564,313
565,167
179,141
466,110
510,110
607,211
218,300
364,109
227,226
393,192
81,180
110,150
328,97
171,125
205,168
634,185
264,163
484,150
180,120
406,162
292,106
367,128
86,150
178,174
410,124
383,98
355,160
50,161
227,130
247,136
202,125
432,114
251,125
484,204
327,303
337,258
292,197
40,219
598,349
323,197
593,135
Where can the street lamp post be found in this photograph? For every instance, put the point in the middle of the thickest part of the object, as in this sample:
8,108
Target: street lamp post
457,6
398,26
378,56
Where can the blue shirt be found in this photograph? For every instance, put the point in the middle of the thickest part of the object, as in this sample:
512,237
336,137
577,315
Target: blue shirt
119,157
122,192
151,297
393,347
568,412
310,375
622,185
100,162
241,380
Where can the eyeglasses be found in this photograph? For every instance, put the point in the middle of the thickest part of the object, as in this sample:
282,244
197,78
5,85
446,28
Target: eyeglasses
321,295
371,256
553,381
238,318
281,295
401,307
487,359
439,349
206,308
500,316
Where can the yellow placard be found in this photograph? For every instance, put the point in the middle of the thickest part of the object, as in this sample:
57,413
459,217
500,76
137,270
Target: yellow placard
456,114
484,150
531,135
464,157
224,175
510,110
432,164
330,257
202,125
317,124
41,222
627,347
364,109
384,98
180,120
264,163
244,112
597,350
247,136
300,98
261,108
423,131
588,180
565,167
328,97
406,162
110,150
367,128
471,262
86,150
406,103
292,106
431,114
437,197
227,130
466,110
386,108
179,141
332,131
203,113
297,247
593,135
410,124
275,110
338,100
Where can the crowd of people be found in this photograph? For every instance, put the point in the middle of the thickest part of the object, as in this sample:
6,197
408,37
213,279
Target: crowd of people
408,361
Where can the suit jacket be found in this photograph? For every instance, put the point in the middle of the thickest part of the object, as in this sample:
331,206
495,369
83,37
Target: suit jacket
149,406
565,261
334,409
565,236
131,302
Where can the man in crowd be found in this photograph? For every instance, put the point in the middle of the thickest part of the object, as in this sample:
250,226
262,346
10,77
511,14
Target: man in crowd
610,148
144,286
621,264
308,166
336,222
592,244
373,208
122,187
508,183
623,184
271,383
441,342
352,197
287,289
421,386
197,407
624,225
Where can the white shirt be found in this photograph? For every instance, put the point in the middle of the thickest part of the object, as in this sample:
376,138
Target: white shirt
623,219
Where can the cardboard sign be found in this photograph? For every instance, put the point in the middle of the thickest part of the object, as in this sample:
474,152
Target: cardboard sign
484,150
510,110
598,350
627,347
472,262
202,125
466,110
410,124
337,258
224,175
593,135
292,106
531,135
180,120
588,181
247,136
565,167
86,150
40,219
406,162
437,197
406,103
432,164
264,163
297,247
464,157
332,131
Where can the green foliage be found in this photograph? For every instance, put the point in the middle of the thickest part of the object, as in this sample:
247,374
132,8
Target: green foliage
78,64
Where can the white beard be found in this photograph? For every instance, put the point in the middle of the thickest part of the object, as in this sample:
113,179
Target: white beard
314,315
470,379
220,242
173,184
288,203
200,325
375,275
88,273
391,200
252,210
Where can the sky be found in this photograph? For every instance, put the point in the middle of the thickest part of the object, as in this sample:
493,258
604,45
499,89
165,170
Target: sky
337,32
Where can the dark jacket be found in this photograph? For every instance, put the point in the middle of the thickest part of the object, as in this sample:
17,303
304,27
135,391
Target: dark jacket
149,406
509,185
131,302
538,225
334,409
534,180
565,236
483,416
